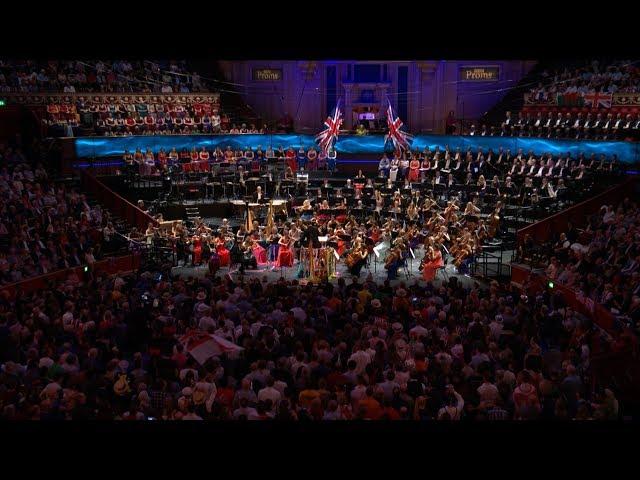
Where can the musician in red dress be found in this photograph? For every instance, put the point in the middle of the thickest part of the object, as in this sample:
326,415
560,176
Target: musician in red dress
204,156
432,261
259,252
197,250
414,170
285,255
291,159
222,252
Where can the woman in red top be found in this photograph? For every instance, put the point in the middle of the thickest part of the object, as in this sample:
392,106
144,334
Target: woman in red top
291,159
150,122
414,170
197,250
130,123
204,159
193,155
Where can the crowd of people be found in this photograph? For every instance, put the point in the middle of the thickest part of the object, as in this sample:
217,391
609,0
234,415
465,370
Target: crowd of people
55,76
137,116
603,263
113,348
588,88
44,225
615,77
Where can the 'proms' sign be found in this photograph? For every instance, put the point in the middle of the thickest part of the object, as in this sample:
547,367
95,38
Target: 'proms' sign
480,74
267,74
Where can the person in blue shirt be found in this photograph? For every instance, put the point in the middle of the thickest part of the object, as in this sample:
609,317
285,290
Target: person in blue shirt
302,158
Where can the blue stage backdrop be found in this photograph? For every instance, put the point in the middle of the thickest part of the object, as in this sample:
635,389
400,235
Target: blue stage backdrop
96,147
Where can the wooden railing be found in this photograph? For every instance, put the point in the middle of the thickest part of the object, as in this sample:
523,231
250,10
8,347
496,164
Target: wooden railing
109,266
115,203
543,230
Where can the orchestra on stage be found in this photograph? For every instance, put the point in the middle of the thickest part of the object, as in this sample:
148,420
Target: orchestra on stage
437,205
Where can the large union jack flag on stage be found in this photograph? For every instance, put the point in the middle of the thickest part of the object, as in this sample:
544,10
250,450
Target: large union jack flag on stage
327,137
401,140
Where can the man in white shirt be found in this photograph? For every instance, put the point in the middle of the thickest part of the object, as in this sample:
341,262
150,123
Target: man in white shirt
270,393
361,357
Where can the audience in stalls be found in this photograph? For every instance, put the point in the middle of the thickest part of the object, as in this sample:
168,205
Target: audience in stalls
108,348
45,225
602,264
107,76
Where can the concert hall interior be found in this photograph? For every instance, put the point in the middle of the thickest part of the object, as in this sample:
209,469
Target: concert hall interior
399,220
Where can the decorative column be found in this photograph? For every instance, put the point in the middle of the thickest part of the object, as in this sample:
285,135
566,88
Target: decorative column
310,102
382,89
348,108
427,102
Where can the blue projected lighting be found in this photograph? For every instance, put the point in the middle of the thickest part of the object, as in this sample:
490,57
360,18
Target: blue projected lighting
95,147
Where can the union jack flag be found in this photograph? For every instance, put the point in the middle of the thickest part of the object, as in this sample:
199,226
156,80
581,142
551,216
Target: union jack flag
599,99
401,140
327,136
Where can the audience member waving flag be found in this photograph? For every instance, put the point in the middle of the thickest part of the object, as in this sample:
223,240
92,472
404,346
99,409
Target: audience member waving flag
329,135
401,140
